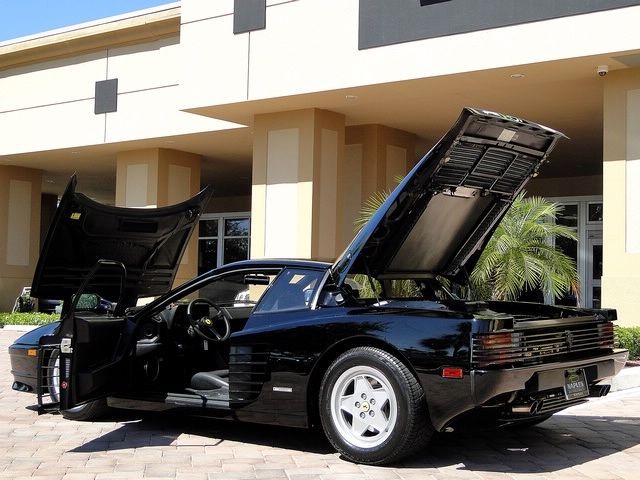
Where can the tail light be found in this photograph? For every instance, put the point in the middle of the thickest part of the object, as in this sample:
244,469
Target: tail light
607,335
492,348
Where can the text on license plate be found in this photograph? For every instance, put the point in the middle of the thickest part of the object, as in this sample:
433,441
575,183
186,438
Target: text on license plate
575,384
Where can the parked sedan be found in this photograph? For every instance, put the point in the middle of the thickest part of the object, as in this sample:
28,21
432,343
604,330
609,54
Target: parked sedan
374,348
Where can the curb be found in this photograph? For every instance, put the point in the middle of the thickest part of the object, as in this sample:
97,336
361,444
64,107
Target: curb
20,328
628,378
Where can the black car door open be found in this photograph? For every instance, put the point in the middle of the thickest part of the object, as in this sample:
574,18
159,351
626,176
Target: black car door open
89,357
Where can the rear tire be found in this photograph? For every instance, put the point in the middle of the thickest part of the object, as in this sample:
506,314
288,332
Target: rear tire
372,408
85,412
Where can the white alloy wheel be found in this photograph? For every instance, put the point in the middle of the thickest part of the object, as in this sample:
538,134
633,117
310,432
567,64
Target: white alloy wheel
364,407
372,407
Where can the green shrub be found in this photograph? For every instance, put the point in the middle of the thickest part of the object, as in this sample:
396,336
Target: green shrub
629,338
27,318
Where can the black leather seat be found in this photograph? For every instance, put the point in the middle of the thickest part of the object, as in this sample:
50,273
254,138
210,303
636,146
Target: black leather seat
203,381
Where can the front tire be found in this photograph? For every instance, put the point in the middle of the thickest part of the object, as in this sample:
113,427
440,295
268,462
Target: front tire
85,412
372,408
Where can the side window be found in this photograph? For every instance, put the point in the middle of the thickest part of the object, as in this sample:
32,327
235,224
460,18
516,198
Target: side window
238,289
292,290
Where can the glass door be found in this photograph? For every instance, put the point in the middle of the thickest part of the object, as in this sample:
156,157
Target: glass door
594,268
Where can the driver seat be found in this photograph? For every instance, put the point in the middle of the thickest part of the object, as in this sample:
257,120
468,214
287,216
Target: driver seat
205,381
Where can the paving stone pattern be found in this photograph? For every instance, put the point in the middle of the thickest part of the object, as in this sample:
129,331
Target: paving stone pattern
599,440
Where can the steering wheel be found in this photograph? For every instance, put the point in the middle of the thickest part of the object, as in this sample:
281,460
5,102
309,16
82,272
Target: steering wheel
206,326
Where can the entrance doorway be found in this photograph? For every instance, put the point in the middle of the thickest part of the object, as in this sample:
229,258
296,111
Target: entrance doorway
584,215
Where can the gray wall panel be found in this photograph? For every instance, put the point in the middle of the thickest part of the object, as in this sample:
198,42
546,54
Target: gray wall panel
106,99
385,22
249,15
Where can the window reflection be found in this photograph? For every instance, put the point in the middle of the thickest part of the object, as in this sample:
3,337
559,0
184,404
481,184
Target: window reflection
223,239
595,212
568,216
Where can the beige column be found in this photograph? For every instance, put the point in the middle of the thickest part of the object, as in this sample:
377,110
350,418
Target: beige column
20,190
158,177
375,155
297,159
621,195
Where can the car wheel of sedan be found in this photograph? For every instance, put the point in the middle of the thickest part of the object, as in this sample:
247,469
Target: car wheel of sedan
372,408
85,412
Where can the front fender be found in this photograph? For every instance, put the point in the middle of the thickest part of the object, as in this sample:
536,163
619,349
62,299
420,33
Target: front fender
32,337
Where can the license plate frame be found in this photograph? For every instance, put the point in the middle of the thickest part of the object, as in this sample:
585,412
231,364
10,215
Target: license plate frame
575,384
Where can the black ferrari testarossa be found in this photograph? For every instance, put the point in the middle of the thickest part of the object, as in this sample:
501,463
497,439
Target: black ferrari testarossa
374,347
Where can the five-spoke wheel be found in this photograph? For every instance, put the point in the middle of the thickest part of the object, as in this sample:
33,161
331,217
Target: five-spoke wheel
364,406
372,407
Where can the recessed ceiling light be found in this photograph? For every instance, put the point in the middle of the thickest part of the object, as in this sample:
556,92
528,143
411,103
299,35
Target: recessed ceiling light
351,97
517,75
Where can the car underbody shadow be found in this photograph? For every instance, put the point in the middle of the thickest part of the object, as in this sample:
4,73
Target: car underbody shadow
563,441
143,429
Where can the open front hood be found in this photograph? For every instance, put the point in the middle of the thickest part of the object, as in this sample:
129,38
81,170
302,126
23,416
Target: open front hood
148,241
440,217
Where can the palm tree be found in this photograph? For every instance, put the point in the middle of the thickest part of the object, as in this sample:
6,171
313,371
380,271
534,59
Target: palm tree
519,255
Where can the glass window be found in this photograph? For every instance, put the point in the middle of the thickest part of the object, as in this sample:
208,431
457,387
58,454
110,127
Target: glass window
292,290
209,228
238,289
223,239
594,212
596,292
235,249
597,262
207,254
237,227
568,216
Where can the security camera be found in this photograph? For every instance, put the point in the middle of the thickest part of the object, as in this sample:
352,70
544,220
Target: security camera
602,70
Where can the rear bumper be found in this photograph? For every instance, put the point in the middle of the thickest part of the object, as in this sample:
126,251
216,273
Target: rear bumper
488,384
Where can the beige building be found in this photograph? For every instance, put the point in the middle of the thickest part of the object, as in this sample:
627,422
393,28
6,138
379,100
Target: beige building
296,111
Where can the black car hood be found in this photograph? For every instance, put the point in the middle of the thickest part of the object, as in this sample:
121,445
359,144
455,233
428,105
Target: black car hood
439,218
149,242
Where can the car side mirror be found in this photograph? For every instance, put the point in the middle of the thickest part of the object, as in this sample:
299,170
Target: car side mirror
88,301
331,297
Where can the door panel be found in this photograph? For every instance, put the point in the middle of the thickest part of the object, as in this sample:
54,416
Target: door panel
98,364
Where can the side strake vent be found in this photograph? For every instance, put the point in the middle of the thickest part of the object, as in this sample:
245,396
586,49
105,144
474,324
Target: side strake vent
247,373
492,169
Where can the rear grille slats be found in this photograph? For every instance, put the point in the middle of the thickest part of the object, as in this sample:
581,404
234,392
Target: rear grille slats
534,347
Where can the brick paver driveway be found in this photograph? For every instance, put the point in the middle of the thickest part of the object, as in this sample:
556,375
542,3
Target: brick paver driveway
599,440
